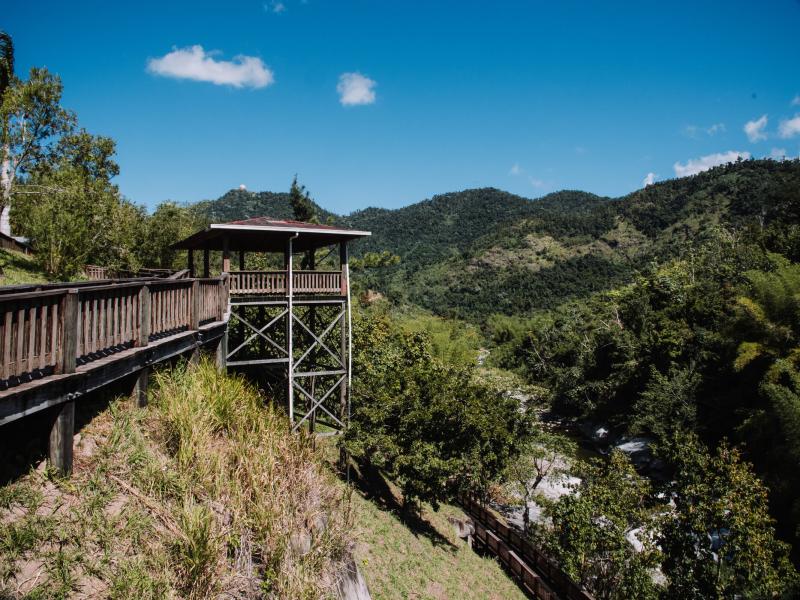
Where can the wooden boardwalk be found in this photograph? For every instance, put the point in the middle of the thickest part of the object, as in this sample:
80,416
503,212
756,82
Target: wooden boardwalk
60,342
536,573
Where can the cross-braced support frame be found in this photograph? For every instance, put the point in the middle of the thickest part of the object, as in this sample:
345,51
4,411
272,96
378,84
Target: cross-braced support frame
302,340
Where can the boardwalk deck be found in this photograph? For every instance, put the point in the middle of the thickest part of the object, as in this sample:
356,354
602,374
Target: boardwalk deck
60,342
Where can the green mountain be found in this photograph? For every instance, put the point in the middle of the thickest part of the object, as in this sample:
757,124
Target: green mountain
473,253
242,204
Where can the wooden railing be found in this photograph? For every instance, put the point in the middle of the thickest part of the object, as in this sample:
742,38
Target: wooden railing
53,331
522,558
31,330
109,318
97,273
170,306
274,282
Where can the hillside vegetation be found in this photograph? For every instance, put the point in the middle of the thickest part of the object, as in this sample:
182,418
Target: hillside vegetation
477,252
172,501
17,268
422,559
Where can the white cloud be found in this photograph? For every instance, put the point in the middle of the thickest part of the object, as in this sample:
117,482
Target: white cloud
515,169
278,7
196,64
755,129
355,89
694,131
242,187
649,179
790,127
698,165
778,153
796,100
537,183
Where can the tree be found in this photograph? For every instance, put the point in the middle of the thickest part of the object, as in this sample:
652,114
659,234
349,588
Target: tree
169,223
589,527
667,405
719,541
303,209
33,123
6,77
425,423
72,212
542,454
302,204
769,316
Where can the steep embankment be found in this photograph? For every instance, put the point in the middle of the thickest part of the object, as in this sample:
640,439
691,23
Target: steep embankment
202,494
423,558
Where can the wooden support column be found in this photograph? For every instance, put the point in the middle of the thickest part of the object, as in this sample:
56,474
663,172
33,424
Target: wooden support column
344,415
62,430
222,345
241,260
226,255
190,261
312,323
139,391
194,323
206,269
62,433
289,325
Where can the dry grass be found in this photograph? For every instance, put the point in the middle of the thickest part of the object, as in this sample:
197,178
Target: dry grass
203,494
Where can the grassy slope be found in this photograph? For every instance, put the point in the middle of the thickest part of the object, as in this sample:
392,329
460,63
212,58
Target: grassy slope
173,501
16,268
424,560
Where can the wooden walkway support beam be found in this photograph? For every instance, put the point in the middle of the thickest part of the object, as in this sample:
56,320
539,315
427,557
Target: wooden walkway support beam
62,433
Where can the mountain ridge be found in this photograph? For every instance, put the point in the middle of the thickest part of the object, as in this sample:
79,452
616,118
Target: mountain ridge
471,253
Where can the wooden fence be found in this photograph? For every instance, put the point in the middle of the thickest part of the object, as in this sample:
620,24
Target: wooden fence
52,331
538,574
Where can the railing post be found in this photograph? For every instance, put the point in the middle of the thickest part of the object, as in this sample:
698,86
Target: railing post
139,392
194,320
69,333
195,312
143,336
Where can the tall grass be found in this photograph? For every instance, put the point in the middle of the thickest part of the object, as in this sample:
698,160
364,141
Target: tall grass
251,487
205,493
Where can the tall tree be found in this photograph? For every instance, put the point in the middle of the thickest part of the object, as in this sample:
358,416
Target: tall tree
719,542
302,204
588,531
33,123
303,209
6,76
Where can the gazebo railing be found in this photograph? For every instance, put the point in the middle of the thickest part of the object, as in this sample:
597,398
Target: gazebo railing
274,282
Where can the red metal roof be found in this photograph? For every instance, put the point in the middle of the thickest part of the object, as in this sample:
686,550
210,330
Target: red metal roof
267,234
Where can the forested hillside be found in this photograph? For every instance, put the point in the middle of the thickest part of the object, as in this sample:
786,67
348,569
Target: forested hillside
474,253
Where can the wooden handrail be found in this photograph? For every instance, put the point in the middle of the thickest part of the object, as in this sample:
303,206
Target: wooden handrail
274,282
52,331
525,554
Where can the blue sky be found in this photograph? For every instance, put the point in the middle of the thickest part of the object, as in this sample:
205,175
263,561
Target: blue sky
387,103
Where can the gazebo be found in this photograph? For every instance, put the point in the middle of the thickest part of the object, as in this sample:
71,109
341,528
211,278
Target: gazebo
284,319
